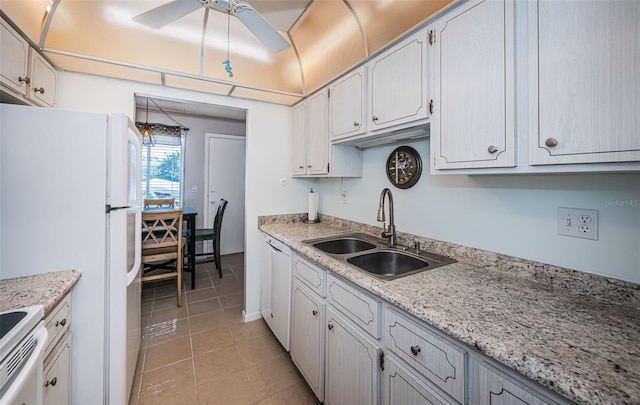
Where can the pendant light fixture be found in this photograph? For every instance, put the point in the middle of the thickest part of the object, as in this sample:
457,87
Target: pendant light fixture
147,134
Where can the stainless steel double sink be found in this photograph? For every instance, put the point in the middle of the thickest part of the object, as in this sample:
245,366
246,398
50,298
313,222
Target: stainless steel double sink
375,257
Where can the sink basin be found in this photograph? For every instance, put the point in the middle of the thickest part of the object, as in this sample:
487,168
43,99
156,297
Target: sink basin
390,264
372,255
344,246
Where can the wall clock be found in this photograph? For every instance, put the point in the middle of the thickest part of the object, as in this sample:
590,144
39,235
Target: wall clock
404,167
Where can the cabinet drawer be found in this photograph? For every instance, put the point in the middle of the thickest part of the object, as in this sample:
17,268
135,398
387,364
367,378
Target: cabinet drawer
311,275
57,375
440,362
358,306
57,322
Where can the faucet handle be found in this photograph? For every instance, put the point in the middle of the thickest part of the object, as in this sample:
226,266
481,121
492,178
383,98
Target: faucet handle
416,245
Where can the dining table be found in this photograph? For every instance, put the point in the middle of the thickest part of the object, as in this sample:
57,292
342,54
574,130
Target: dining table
189,216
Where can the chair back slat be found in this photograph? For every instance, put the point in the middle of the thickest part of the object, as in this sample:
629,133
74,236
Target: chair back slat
159,202
161,229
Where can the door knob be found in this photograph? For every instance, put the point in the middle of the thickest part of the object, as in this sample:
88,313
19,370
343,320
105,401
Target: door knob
492,149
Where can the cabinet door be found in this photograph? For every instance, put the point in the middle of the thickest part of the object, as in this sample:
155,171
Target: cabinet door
57,376
494,388
473,87
346,105
43,80
398,84
298,142
352,364
318,137
307,337
400,386
584,88
15,56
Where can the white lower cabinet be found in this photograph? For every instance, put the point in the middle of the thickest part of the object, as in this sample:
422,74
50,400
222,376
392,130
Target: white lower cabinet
57,375
353,348
401,386
352,364
57,355
307,337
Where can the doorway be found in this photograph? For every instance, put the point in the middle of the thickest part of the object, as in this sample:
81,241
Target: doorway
224,177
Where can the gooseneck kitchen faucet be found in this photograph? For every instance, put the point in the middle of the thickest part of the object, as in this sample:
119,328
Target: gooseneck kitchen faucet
390,231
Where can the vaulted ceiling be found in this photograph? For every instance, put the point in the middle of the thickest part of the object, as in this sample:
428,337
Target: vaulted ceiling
328,37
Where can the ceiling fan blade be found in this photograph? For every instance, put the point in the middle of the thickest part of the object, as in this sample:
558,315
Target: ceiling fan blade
167,13
260,27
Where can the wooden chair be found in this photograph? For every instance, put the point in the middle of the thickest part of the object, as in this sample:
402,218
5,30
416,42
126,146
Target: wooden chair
213,234
159,202
162,242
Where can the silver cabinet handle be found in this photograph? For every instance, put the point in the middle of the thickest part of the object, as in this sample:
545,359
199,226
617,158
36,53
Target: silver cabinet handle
52,383
301,167
61,323
330,326
314,312
38,90
356,124
24,80
551,142
374,118
415,350
492,149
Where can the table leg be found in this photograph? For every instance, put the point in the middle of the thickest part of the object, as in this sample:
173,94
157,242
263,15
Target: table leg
191,224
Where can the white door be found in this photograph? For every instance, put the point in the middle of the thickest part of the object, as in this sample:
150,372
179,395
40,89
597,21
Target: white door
224,178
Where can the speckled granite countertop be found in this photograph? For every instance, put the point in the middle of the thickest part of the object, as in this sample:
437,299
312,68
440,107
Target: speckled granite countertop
46,289
574,333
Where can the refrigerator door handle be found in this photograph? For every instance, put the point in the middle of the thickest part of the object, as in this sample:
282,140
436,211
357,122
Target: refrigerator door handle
109,208
137,261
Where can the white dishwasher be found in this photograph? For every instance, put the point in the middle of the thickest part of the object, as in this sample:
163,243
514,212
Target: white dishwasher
276,288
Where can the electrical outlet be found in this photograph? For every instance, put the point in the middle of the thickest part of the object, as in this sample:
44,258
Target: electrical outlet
344,196
194,189
578,223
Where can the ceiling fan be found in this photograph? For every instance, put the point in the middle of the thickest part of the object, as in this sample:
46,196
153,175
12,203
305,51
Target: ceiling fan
167,13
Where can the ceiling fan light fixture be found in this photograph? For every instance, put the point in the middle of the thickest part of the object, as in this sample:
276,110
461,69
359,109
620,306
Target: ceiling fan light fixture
222,5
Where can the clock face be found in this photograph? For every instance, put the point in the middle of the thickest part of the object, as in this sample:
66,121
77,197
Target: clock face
404,167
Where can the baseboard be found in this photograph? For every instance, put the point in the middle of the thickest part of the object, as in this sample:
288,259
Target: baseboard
252,316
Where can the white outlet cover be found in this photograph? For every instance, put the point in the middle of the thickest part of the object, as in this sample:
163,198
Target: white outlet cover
578,223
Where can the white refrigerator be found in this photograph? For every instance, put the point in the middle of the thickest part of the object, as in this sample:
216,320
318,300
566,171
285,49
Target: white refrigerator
70,199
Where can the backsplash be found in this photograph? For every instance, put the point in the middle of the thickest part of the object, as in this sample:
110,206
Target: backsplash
604,288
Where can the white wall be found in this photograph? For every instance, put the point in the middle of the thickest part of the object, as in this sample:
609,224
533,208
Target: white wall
514,215
268,151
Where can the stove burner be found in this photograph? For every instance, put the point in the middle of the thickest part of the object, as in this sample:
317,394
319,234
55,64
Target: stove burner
9,320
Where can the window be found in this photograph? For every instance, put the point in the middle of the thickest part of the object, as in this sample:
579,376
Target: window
162,164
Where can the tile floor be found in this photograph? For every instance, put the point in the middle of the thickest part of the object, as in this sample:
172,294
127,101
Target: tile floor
202,352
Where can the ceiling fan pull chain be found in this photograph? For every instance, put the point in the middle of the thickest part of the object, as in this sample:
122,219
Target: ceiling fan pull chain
227,62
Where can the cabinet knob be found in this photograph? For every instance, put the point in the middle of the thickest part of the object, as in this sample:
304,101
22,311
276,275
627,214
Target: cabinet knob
309,166
374,118
551,142
330,326
356,124
301,167
38,90
24,80
62,322
314,312
492,149
52,382
415,350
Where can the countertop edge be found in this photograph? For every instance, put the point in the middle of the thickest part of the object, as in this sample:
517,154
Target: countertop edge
46,289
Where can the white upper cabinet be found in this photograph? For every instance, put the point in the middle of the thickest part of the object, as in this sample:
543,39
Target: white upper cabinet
15,57
347,105
584,87
473,87
317,138
299,139
43,80
24,73
312,155
398,84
